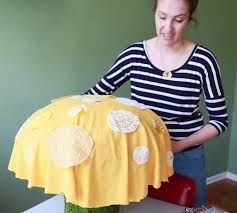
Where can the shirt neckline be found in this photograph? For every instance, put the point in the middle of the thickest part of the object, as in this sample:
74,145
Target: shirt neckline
174,70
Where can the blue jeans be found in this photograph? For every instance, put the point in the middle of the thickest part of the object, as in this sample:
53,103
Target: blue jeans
192,164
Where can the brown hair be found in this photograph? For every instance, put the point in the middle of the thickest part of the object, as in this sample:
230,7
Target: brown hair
192,7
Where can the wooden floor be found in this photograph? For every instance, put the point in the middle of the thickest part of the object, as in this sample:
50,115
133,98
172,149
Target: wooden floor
223,194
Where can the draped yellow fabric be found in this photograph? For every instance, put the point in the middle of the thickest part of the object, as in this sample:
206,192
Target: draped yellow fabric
97,150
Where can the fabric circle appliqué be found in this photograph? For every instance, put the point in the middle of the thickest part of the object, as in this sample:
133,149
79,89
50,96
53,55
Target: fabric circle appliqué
123,121
29,152
74,111
133,103
170,158
91,99
69,145
76,97
141,155
77,109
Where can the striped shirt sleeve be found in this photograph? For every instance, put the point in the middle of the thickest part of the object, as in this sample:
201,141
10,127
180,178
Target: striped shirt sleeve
213,91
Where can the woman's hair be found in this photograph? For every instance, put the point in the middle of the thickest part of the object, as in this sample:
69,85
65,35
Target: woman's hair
191,3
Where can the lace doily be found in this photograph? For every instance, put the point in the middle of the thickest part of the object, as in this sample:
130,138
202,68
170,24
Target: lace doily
123,121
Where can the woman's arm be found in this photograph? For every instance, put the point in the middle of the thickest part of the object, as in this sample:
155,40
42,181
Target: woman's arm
215,103
205,134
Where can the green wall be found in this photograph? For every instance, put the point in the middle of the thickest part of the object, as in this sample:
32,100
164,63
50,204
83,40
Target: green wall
51,48
233,144
54,48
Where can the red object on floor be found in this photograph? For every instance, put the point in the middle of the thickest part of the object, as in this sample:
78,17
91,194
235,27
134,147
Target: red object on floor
179,190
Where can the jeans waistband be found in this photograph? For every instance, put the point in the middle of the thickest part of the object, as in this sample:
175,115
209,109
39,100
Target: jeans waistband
191,148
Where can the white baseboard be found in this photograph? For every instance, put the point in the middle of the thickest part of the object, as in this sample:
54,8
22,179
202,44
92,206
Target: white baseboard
221,176
231,176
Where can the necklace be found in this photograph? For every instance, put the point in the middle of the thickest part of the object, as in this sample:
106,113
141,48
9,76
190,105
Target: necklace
167,73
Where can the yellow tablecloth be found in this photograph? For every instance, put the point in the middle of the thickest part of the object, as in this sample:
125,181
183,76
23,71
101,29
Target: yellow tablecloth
97,150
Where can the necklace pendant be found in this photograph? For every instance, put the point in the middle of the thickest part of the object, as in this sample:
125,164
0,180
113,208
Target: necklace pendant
167,74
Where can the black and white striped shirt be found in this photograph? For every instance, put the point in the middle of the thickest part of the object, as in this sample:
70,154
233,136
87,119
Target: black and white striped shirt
174,99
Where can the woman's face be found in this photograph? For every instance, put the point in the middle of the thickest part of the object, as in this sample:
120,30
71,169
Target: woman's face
171,20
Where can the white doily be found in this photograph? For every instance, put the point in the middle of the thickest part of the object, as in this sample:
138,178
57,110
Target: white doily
123,121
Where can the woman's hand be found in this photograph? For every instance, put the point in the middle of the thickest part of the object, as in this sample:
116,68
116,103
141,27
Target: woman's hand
176,146
201,136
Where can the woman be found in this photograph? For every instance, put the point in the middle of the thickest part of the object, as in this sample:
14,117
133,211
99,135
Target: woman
169,74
